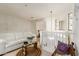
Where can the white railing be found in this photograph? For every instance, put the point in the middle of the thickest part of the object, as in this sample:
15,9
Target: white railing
50,45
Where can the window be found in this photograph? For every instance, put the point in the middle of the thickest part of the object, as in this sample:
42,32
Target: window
59,25
56,24
70,21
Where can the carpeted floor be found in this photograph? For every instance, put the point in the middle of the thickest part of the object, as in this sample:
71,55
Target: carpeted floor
30,51
13,53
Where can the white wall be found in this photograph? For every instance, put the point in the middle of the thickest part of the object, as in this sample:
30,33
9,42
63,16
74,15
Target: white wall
48,24
15,24
45,24
76,28
41,25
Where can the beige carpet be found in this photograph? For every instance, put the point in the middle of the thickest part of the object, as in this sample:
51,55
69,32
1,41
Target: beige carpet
30,51
13,53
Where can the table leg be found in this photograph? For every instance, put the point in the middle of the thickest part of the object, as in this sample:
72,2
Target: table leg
35,45
26,51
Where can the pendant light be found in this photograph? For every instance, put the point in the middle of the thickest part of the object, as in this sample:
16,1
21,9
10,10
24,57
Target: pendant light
51,37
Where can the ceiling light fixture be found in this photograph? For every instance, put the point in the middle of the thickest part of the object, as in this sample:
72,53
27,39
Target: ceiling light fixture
32,17
51,37
25,5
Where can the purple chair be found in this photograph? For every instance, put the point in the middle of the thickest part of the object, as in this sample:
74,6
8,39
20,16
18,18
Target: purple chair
62,48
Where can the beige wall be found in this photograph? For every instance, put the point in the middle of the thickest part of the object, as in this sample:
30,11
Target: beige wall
40,25
15,24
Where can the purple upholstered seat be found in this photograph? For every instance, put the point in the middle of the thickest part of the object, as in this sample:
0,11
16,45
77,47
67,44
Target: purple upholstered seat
62,47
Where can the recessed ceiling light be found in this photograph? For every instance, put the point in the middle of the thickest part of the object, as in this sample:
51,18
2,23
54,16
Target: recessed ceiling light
25,5
32,17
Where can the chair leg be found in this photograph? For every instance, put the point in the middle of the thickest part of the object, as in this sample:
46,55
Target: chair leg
54,53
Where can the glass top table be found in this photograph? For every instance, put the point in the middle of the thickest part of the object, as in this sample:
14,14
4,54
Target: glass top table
29,50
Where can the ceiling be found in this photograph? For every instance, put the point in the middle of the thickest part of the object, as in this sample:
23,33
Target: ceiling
34,11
